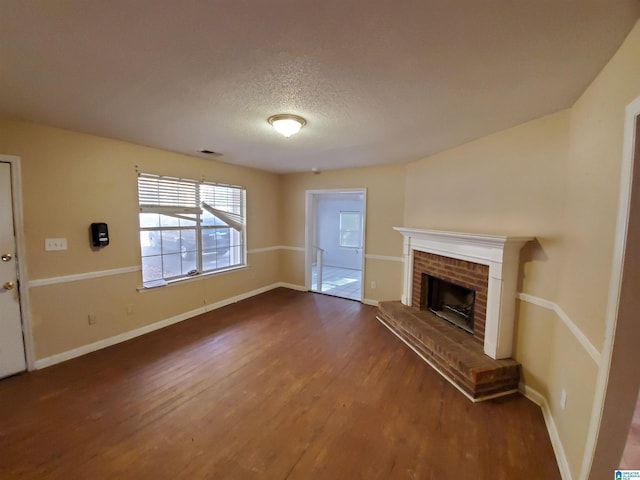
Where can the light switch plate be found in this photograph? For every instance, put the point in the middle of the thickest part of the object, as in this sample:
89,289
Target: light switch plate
55,244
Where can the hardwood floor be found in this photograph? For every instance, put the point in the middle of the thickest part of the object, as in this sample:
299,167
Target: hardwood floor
631,455
285,385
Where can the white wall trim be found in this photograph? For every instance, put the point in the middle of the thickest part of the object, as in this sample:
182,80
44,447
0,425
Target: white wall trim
292,286
107,342
275,247
83,276
263,249
554,436
123,337
302,288
372,256
41,282
288,247
573,328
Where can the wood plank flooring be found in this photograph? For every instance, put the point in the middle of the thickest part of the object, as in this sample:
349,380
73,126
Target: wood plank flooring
631,455
285,385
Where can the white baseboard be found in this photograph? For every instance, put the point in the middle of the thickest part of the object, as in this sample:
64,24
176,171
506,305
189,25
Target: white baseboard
368,301
556,443
292,286
123,337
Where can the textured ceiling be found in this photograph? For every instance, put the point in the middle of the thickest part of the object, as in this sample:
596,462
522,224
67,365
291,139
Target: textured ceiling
378,81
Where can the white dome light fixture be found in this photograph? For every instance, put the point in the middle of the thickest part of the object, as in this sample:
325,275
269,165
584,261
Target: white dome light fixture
287,124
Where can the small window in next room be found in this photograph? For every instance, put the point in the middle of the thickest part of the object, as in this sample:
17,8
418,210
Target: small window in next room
189,227
351,229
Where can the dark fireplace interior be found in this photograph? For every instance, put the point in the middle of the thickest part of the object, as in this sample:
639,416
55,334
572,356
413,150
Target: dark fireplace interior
449,301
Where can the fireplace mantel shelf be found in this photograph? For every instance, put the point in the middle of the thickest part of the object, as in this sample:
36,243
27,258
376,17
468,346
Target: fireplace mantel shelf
485,249
491,241
500,253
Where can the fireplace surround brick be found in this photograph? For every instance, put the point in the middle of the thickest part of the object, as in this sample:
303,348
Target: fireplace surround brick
473,276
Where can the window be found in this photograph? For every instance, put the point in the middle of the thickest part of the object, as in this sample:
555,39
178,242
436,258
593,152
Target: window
188,228
351,229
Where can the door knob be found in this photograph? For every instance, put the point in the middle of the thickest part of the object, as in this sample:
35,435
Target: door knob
9,285
6,257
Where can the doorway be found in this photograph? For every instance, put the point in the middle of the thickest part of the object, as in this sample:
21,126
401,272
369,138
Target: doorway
335,239
13,358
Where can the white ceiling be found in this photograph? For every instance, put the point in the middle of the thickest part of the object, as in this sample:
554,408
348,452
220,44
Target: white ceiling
378,81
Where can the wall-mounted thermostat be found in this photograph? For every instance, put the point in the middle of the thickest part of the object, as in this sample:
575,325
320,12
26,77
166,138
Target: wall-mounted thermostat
99,235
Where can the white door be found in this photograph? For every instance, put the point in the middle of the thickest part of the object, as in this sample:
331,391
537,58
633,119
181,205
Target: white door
12,355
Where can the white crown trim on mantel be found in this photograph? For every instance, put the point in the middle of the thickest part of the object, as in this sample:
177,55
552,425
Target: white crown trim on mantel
500,253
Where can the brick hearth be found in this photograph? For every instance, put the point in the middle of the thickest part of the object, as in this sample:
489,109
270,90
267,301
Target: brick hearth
454,353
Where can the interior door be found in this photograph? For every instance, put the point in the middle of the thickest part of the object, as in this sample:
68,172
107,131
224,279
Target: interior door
12,354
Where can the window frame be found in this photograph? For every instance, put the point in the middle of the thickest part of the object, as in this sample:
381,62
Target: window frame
342,230
190,201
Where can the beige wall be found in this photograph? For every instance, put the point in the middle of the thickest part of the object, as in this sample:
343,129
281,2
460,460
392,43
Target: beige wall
508,183
70,180
594,167
385,205
596,139
624,379
556,178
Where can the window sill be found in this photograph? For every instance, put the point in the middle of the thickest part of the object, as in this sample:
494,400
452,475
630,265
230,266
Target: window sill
179,281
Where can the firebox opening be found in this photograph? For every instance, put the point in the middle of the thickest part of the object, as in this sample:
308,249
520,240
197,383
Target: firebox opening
449,301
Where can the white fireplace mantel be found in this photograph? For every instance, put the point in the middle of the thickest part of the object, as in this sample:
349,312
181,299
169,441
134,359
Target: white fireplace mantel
501,254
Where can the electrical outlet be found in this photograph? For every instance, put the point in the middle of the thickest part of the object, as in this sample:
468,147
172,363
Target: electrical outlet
92,319
51,244
563,399
373,284
129,308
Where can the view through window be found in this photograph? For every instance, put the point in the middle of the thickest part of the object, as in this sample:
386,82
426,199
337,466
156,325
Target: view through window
188,227
351,229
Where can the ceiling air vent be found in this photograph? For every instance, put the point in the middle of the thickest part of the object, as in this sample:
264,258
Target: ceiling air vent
211,152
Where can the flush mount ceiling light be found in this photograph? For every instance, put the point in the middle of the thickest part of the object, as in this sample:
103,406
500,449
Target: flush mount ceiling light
287,124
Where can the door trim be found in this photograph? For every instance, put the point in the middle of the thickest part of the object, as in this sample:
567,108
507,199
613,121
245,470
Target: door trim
310,196
23,280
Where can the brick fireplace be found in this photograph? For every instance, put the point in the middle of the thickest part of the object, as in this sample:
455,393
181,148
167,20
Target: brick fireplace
467,258
475,277
472,276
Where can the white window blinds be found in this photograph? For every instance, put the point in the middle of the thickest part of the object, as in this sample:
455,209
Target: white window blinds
224,202
168,195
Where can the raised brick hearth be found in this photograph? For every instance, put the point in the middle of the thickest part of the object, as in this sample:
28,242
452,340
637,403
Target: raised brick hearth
451,351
